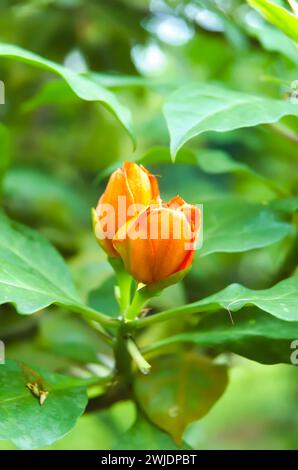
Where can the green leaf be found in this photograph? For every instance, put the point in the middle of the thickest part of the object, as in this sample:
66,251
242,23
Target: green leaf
69,336
288,205
52,92
38,194
281,301
254,334
181,388
274,40
83,87
232,225
90,267
216,162
219,162
33,275
201,107
103,298
209,160
145,436
109,80
4,152
158,155
23,420
278,16
58,92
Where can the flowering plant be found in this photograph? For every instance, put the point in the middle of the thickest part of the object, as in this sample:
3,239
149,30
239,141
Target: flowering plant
176,122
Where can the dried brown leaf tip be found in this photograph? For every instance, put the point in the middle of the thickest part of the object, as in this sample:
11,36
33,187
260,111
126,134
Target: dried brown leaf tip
35,384
38,392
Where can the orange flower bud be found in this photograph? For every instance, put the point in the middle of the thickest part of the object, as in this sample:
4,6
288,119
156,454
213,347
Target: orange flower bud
129,191
159,242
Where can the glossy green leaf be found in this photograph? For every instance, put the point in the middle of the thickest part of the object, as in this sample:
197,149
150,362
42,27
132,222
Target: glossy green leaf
281,301
158,155
32,273
232,225
83,87
109,80
23,420
288,205
278,16
254,334
274,40
180,389
145,436
201,107
4,152
58,91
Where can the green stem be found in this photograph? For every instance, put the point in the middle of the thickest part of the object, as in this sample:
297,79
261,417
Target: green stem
172,313
124,281
93,381
91,314
140,298
124,284
101,332
122,357
133,350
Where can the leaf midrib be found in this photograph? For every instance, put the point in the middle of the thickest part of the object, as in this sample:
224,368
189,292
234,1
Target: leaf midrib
29,394
255,300
229,107
24,287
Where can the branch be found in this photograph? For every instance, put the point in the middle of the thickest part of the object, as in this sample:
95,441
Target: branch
136,355
172,313
91,314
114,394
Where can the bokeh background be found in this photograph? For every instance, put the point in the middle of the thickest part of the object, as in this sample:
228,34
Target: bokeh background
60,148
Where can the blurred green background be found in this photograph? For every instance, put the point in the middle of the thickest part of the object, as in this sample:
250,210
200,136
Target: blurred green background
60,148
